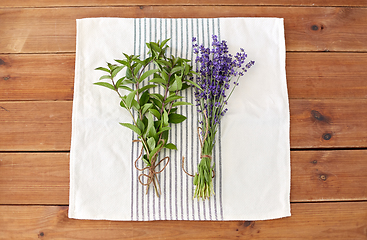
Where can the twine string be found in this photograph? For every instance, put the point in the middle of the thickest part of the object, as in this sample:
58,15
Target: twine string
153,165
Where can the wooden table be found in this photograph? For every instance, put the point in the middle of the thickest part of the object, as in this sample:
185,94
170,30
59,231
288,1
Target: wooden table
327,83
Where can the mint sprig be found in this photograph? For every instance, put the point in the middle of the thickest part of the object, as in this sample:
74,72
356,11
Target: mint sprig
151,113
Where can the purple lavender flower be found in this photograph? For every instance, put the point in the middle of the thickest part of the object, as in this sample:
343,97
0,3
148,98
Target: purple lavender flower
215,68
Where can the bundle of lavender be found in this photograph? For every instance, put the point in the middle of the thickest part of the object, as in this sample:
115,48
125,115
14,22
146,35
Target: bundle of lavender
216,69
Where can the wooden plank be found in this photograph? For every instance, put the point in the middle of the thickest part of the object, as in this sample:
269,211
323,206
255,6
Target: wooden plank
308,221
43,178
68,3
37,77
327,75
338,175
45,30
328,123
35,126
46,126
34,178
309,75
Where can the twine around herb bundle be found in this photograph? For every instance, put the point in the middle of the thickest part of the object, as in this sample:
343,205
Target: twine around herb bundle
152,172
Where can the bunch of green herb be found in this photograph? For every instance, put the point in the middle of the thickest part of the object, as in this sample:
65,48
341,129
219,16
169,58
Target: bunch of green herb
151,113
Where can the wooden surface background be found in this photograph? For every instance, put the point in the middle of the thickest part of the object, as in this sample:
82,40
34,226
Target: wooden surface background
327,83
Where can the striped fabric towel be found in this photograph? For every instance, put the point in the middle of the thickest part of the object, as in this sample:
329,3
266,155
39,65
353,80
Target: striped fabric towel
252,154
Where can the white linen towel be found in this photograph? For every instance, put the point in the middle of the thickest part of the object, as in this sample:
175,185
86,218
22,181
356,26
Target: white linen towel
252,152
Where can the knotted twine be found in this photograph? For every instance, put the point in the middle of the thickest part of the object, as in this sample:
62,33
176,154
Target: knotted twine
152,172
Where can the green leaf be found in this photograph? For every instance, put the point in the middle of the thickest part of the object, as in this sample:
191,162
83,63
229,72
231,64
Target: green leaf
164,76
176,69
144,98
164,42
179,82
122,102
150,128
156,102
157,96
187,68
155,47
126,88
170,146
146,87
157,124
105,77
118,83
176,118
163,129
172,98
146,107
173,87
155,113
137,68
140,124
130,98
164,136
194,83
145,121
145,159
129,75
122,62
127,56
181,103
155,150
135,105
185,86
127,81
111,66
104,84
147,74
103,69
116,70
151,143
165,118
132,127
174,110
158,80
163,62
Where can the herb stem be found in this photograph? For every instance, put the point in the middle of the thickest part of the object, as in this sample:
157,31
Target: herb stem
132,116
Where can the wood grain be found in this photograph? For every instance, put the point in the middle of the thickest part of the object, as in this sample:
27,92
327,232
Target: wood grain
309,75
309,221
327,75
326,42
46,126
45,30
37,76
337,175
34,178
35,126
328,123
66,3
43,178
